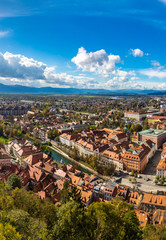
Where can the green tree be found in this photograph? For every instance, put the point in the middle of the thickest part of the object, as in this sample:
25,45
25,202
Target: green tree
13,181
75,154
19,133
157,177
156,181
132,173
105,223
46,111
7,232
163,178
71,193
145,125
162,182
6,201
115,220
138,127
75,194
65,193
37,142
72,223
130,220
52,134
1,131
109,170
28,227
132,128
157,232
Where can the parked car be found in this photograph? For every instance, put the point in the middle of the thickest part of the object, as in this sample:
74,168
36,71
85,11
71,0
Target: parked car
146,179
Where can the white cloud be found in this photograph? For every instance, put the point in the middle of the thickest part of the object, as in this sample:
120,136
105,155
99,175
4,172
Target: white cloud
122,76
137,52
19,66
134,78
162,86
4,34
98,62
16,68
153,73
157,71
156,65
66,79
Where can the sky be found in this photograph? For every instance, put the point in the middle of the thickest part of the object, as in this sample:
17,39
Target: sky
98,44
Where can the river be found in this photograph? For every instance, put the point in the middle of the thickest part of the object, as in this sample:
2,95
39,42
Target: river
59,158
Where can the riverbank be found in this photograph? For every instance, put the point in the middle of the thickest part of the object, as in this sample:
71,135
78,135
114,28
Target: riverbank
58,150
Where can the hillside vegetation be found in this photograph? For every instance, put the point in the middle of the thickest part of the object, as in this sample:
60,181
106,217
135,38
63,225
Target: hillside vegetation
24,216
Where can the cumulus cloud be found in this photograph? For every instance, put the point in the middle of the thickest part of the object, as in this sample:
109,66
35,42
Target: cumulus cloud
137,52
66,79
16,68
96,62
19,66
122,76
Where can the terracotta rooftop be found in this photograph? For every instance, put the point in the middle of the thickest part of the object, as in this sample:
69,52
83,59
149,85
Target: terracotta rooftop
156,200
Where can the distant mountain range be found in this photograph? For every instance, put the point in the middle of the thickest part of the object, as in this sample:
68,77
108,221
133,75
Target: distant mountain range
49,90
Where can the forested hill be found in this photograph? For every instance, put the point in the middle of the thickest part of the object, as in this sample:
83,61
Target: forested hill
24,216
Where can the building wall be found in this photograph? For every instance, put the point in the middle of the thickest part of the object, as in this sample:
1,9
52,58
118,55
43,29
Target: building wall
65,141
138,116
137,166
107,161
161,172
10,112
84,151
158,140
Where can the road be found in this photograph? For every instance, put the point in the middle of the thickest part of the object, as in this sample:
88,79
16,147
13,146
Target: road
152,164
150,173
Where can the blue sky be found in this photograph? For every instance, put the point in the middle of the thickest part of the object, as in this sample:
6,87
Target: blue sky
83,44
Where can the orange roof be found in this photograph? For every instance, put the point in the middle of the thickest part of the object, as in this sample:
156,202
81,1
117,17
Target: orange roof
86,194
157,200
133,197
159,216
162,164
75,180
157,117
142,216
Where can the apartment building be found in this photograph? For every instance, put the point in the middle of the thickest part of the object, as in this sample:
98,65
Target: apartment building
139,116
155,135
13,110
151,202
136,159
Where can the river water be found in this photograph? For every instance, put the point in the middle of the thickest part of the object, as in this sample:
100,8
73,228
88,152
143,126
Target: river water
59,158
